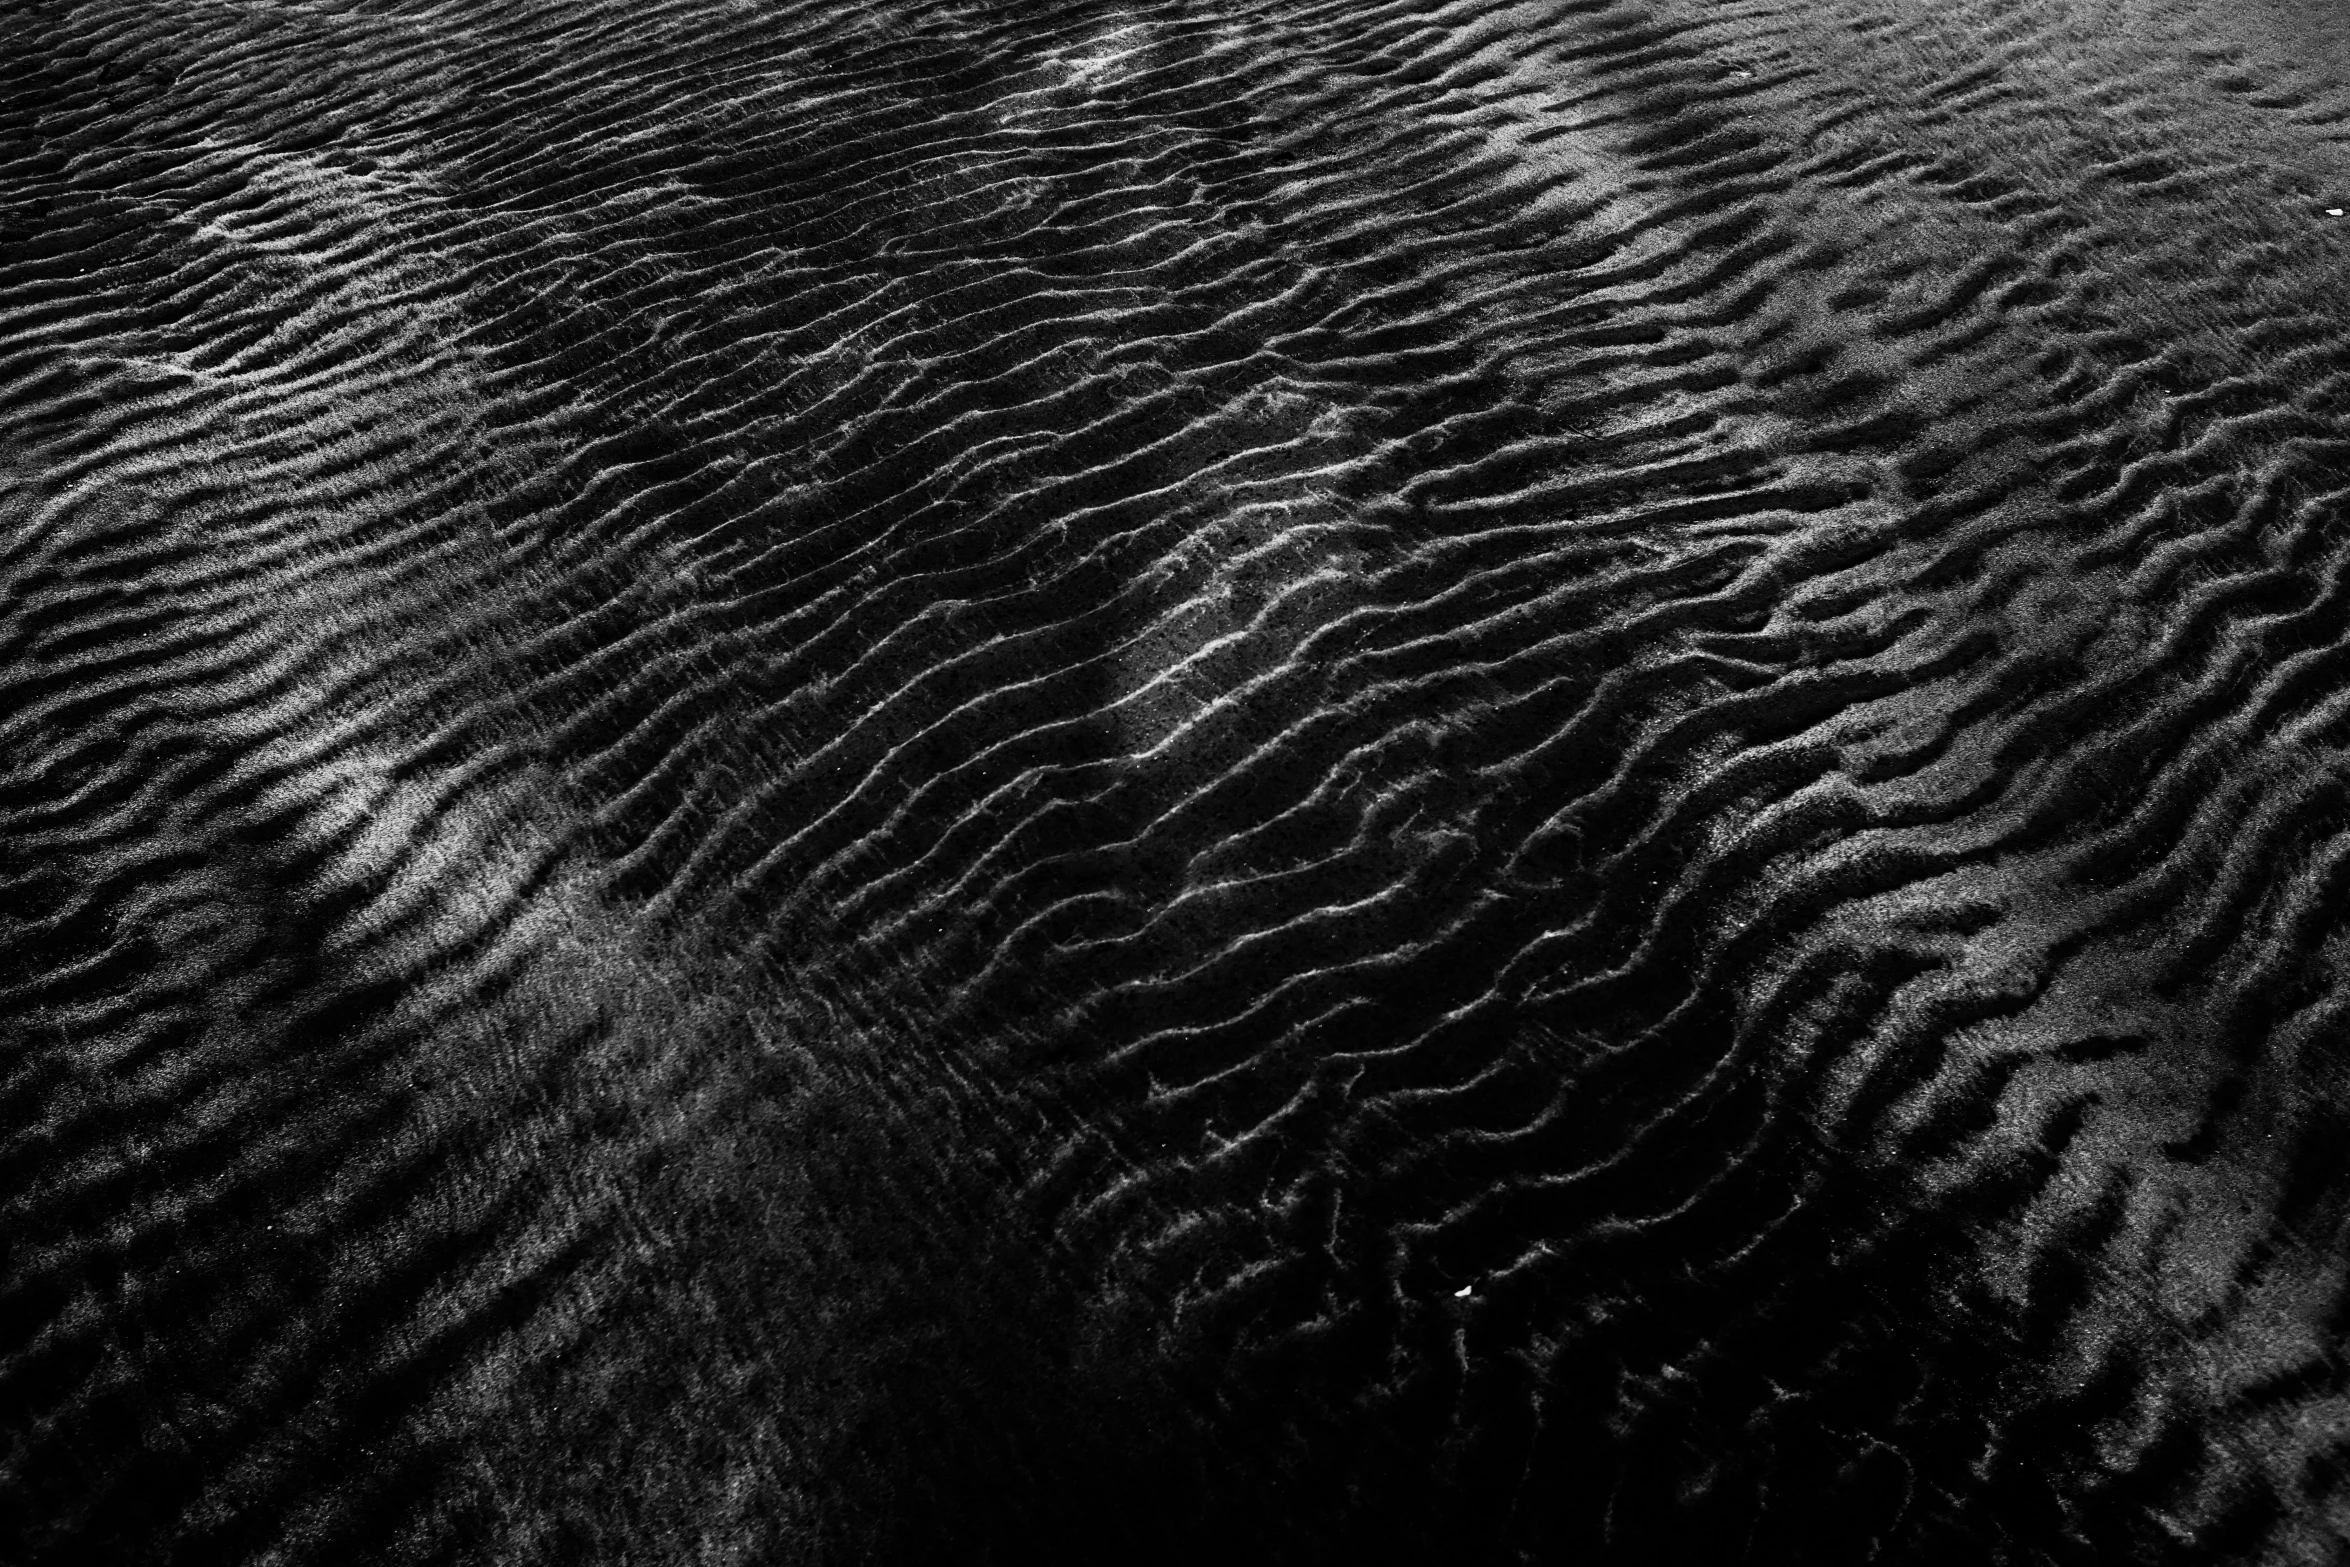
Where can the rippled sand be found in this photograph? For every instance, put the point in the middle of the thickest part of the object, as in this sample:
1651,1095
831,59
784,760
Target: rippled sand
1032,782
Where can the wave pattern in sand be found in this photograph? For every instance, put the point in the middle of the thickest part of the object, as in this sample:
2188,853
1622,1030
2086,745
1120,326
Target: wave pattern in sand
1029,782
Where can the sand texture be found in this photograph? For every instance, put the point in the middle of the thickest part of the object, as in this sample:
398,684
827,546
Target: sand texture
786,781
